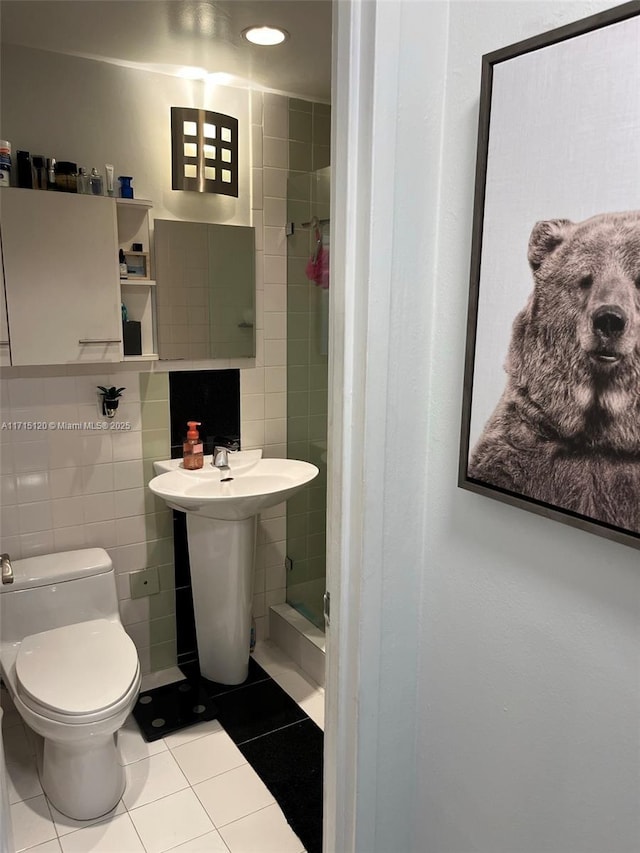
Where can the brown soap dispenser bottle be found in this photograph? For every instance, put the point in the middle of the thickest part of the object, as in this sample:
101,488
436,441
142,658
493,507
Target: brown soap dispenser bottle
192,453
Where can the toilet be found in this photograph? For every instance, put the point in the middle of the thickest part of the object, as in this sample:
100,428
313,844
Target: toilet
72,672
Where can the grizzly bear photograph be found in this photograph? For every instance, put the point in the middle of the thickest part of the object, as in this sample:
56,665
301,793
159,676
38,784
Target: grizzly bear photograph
566,431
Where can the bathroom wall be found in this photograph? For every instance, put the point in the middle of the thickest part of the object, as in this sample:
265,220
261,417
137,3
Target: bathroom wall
528,692
70,489
497,653
94,113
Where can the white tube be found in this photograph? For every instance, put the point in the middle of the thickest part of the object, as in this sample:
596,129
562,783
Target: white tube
108,168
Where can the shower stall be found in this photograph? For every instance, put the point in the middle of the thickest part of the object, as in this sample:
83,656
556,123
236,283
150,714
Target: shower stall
308,250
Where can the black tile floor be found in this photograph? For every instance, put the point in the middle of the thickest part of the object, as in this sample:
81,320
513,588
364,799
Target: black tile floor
273,733
173,707
289,762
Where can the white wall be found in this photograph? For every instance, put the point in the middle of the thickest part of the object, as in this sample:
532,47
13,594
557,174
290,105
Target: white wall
488,677
529,698
94,113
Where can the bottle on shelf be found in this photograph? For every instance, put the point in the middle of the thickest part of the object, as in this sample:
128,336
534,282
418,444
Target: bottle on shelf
95,182
25,170
66,176
40,171
51,173
5,163
108,171
126,190
83,181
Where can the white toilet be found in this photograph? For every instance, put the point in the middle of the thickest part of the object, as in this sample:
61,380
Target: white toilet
72,672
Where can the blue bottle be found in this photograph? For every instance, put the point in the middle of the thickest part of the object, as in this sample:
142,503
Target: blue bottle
126,190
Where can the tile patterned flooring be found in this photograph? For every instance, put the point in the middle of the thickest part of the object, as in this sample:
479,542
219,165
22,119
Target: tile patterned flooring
190,792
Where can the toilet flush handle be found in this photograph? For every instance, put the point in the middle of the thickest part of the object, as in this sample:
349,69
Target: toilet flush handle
7,568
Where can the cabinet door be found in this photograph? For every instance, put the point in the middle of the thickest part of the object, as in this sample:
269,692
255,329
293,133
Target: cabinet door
61,277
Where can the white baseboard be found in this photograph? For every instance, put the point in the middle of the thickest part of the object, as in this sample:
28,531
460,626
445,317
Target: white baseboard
299,639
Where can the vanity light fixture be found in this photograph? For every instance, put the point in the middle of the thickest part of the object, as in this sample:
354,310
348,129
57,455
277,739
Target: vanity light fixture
204,151
265,36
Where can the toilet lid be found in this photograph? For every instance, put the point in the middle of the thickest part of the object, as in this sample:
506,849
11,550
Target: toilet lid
78,669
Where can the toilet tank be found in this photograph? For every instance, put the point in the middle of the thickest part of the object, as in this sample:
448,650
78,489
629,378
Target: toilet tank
55,590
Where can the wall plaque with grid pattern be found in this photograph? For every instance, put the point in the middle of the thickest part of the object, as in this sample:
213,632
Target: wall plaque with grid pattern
204,151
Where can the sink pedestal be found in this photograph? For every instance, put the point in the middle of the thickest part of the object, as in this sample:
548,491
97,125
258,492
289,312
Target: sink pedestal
222,556
222,513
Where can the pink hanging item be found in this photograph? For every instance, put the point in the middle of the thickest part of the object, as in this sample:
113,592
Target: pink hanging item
317,269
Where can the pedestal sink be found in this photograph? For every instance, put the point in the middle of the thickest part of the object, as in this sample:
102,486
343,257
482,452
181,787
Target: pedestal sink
222,508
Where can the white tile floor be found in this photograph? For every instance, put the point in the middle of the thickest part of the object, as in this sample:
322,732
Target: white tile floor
192,792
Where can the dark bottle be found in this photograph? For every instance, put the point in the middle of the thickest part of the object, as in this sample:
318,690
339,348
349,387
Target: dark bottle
66,176
25,170
40,171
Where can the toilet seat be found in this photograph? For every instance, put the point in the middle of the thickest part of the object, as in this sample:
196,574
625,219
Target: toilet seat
78,673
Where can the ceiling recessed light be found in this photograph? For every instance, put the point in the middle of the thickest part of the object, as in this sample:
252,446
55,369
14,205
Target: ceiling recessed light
266,36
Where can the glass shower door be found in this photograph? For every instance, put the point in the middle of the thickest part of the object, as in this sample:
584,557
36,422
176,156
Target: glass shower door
307,371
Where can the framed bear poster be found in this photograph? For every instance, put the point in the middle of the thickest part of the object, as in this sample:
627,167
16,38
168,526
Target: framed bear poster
551,411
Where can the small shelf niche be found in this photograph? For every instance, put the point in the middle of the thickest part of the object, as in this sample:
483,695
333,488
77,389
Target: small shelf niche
137,291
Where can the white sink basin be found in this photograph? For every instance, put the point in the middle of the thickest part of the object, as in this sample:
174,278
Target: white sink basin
256,484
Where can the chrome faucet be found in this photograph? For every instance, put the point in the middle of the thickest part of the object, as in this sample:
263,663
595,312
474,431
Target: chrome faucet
7,568
223,445
220,458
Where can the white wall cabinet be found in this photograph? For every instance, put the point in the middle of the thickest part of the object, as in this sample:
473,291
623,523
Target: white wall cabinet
61,277
62,281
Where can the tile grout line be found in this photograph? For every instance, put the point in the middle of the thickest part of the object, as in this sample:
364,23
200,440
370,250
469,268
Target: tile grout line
196,838
218,827
273,731
237,819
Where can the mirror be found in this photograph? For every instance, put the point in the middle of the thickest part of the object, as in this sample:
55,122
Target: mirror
206,288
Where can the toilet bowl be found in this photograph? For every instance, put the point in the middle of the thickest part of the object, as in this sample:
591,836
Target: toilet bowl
73,674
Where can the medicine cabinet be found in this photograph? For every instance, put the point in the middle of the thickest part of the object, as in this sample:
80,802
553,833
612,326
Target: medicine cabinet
206,289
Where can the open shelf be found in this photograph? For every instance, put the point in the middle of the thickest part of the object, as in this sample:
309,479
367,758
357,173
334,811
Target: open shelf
135,202
146,356
138,294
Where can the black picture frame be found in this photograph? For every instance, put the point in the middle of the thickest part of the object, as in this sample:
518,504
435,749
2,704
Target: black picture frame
548,47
